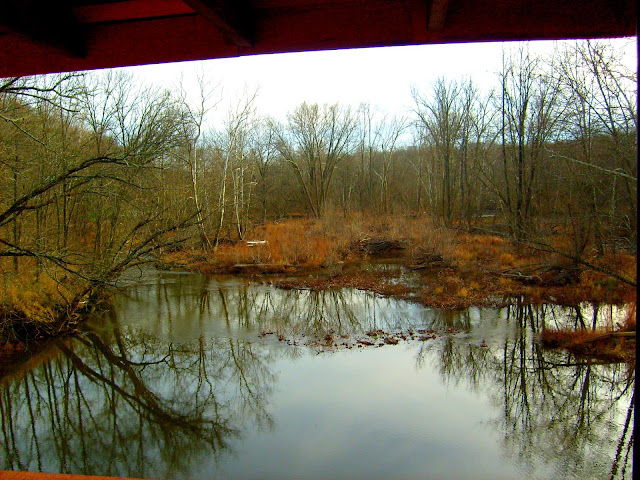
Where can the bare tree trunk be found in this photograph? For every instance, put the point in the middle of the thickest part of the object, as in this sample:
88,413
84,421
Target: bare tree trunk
222,201
16,235
204,239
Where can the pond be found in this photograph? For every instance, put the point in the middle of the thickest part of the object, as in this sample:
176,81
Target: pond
194,377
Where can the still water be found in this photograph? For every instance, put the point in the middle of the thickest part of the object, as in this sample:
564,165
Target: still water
186,377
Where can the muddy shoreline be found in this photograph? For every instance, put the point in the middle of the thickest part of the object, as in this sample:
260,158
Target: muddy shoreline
436,286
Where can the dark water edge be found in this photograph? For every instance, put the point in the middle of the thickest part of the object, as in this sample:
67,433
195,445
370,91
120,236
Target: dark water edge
179,380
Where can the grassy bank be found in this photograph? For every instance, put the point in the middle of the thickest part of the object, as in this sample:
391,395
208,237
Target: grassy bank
38,304
614,343
439,267
450,267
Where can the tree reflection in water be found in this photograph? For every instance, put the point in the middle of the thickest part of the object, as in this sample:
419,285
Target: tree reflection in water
176,374
129,405
192,305
570,412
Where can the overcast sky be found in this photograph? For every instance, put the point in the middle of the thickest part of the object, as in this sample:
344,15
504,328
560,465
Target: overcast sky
381,77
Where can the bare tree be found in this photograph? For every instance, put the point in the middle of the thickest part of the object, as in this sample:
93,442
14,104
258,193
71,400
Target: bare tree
90,169
388,133
440,119
530,115
264,155
314,142
195,117
600,126
365,151
233,143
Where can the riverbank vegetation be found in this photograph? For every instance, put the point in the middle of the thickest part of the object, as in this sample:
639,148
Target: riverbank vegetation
610,343
434,265
527,190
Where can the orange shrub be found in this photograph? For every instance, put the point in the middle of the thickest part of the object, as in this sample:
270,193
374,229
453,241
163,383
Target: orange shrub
463,292
465,254
37,296
507,260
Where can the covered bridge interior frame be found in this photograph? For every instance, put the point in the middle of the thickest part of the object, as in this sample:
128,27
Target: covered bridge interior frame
40,36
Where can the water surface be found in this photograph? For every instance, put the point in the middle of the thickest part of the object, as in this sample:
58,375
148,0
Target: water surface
184,379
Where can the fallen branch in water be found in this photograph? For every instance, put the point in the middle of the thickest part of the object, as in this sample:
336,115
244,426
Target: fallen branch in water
615,345
610,335
547,275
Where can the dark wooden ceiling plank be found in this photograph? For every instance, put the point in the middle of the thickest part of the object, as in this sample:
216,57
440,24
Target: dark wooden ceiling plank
233,17
130,10
170,39
49,23
350,24
437,14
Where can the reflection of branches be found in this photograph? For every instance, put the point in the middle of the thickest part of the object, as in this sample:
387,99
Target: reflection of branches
554,408
621,442
456,364
247,369
213,432
150,402
94,410
219,303
296,312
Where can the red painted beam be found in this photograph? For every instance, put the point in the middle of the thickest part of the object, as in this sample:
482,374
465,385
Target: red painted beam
160,40
130,10
295,25
438,14
234,18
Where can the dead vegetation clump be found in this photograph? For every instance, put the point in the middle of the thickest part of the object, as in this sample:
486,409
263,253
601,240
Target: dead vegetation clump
38,303
457,268
609,344
546,275
379,247
317,243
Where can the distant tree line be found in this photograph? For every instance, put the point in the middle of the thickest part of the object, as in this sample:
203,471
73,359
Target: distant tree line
96,172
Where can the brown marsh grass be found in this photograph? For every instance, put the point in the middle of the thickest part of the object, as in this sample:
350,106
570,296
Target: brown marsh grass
33,293
611,343
459,268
